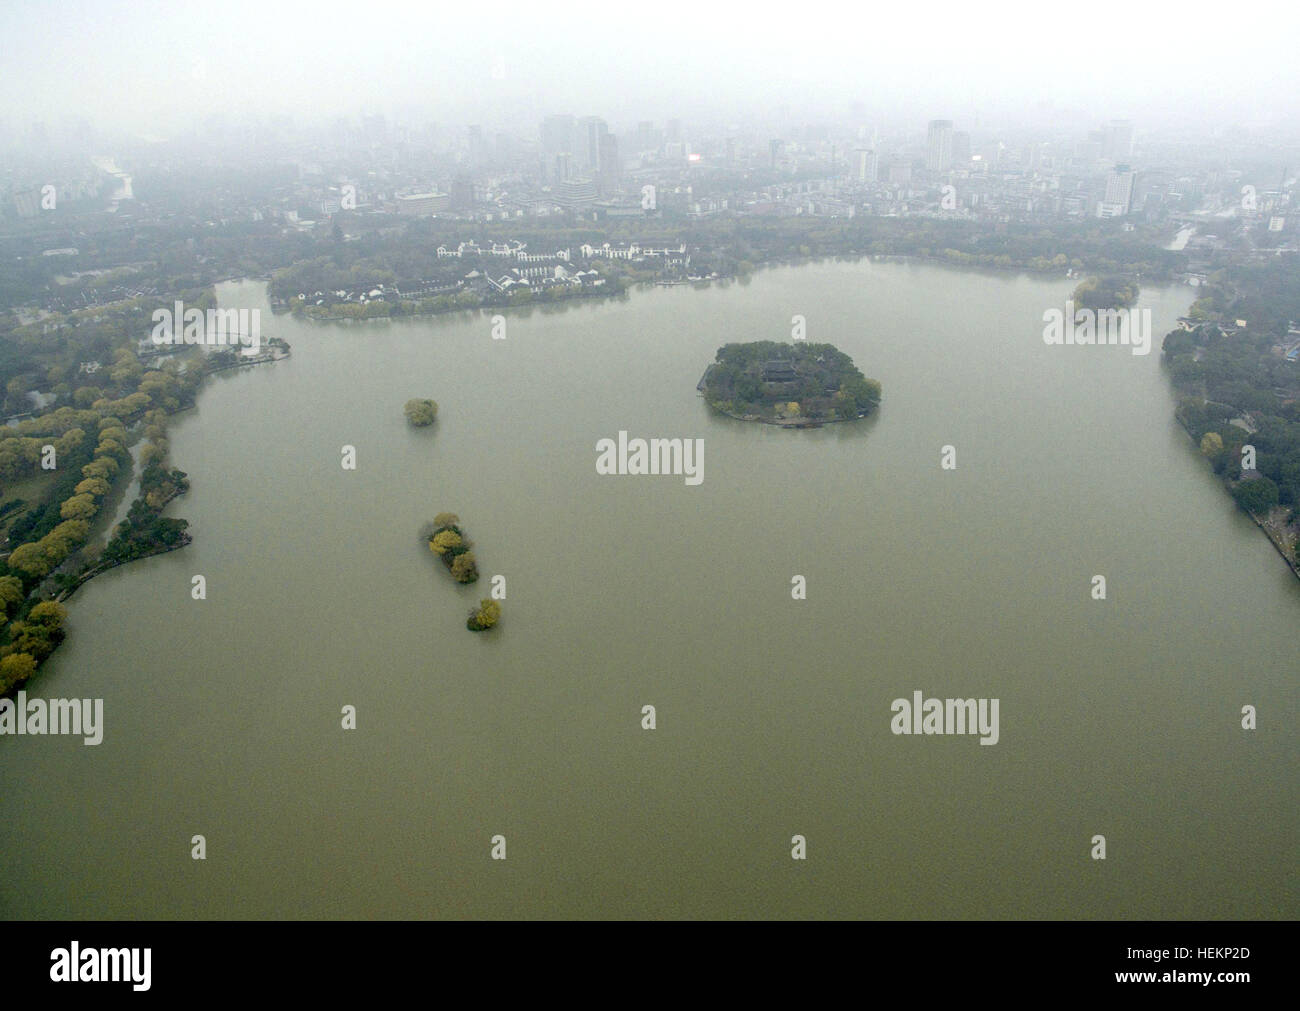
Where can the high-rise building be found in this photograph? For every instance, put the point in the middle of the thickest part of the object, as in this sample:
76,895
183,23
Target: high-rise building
939,146
1117,140
865,166
1119,193
591,130
474,144
557,139
608,171
774,150
961,149
646,136
561,168
462,192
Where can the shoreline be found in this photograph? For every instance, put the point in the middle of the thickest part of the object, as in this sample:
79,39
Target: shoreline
531,303
754,419
1268,533
99,570
793,261
280,352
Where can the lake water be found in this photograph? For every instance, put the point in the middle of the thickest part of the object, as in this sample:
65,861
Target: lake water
1119,718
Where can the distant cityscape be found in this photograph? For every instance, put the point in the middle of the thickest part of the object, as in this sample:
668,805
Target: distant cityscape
579,166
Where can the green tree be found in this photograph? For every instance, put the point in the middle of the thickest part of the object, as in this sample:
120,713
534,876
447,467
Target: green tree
30,561
1256,496
72,531
15,669
96,486
37,641
11,594
48,614
105,467
464,568
421,412
485,616
79,507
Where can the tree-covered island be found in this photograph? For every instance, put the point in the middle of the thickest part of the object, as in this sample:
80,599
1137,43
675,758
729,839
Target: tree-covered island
450,544
1110,292
421,413
483,617
795,385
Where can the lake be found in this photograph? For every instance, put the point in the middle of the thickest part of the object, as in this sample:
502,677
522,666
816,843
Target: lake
1118,717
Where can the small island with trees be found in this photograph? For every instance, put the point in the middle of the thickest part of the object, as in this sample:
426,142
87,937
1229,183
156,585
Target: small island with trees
483,617
421,413
796,385
1108,292
448,541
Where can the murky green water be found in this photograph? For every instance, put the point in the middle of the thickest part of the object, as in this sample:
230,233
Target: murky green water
1119,718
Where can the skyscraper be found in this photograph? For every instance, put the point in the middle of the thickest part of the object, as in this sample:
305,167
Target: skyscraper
591,130
646,136
865,166
961,149
462,192
1117,142
608,170
561,168
474,144
557,139
939,146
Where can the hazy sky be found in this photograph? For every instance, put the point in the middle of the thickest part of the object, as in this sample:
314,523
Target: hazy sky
154,67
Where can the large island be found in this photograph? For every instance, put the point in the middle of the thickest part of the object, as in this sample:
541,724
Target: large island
796,385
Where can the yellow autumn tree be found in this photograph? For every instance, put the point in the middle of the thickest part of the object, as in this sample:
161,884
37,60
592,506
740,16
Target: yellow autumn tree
444,542
49,613
96,486
79,507
487,615
11,593
29,560
15,669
